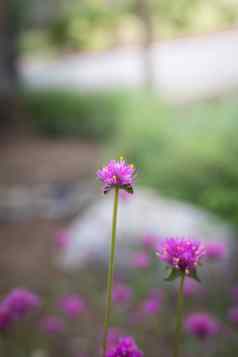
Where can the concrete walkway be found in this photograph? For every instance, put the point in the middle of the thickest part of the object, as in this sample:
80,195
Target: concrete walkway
185,69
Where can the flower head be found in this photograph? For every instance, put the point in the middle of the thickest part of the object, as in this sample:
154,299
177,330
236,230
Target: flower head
121,293
202,325
117,174
72,305
183,255
21,302
215,251
126,347
52,325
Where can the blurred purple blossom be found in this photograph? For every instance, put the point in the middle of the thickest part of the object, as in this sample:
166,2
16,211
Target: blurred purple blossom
191,287
5,317
150,241
126,347
21,302
140,260
72,305
233,315
121,293
216,251
62,239
52,325
202,325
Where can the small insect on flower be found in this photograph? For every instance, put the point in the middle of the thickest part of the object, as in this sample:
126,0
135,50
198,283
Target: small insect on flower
117,174
202,325
182,255
126,347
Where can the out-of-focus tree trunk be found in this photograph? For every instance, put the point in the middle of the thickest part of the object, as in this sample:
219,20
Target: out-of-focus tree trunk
144,8
8,64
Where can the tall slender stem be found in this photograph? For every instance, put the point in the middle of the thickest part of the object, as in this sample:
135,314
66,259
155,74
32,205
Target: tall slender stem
179,317
110,272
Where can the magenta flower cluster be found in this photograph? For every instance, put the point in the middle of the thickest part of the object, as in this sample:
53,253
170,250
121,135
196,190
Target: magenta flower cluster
202,325
17,304
126,347
181,254
117,174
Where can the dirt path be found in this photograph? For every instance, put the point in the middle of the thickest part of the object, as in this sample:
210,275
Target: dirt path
27,245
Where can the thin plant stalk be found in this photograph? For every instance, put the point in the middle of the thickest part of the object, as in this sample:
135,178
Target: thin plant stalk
110,272
179,317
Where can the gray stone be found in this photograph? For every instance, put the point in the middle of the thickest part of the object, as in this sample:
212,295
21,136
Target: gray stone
144,212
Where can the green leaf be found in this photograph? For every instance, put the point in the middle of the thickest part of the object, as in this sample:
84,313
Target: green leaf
174,274
194,276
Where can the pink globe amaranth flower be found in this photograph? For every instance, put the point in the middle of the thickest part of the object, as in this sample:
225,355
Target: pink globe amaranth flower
121,293
72,305
52,325
20,302
117,174
5,317
126,347
140,260
216,251
202,325
233,315
62,239
181,254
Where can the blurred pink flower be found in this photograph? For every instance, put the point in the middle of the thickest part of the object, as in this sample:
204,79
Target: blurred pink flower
126,347
202,325
233,315
150,241
121,293
216,251
5,317
140,260
52,325
73,305
150,306
234,293
62,239
191,287
20,302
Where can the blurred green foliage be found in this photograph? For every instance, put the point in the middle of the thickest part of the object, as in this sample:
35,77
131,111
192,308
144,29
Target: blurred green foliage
96,24
65,113
187,153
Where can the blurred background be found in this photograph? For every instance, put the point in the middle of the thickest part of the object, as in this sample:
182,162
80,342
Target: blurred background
83,81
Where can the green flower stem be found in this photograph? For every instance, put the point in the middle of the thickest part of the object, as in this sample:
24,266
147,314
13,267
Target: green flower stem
110,272
179,317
